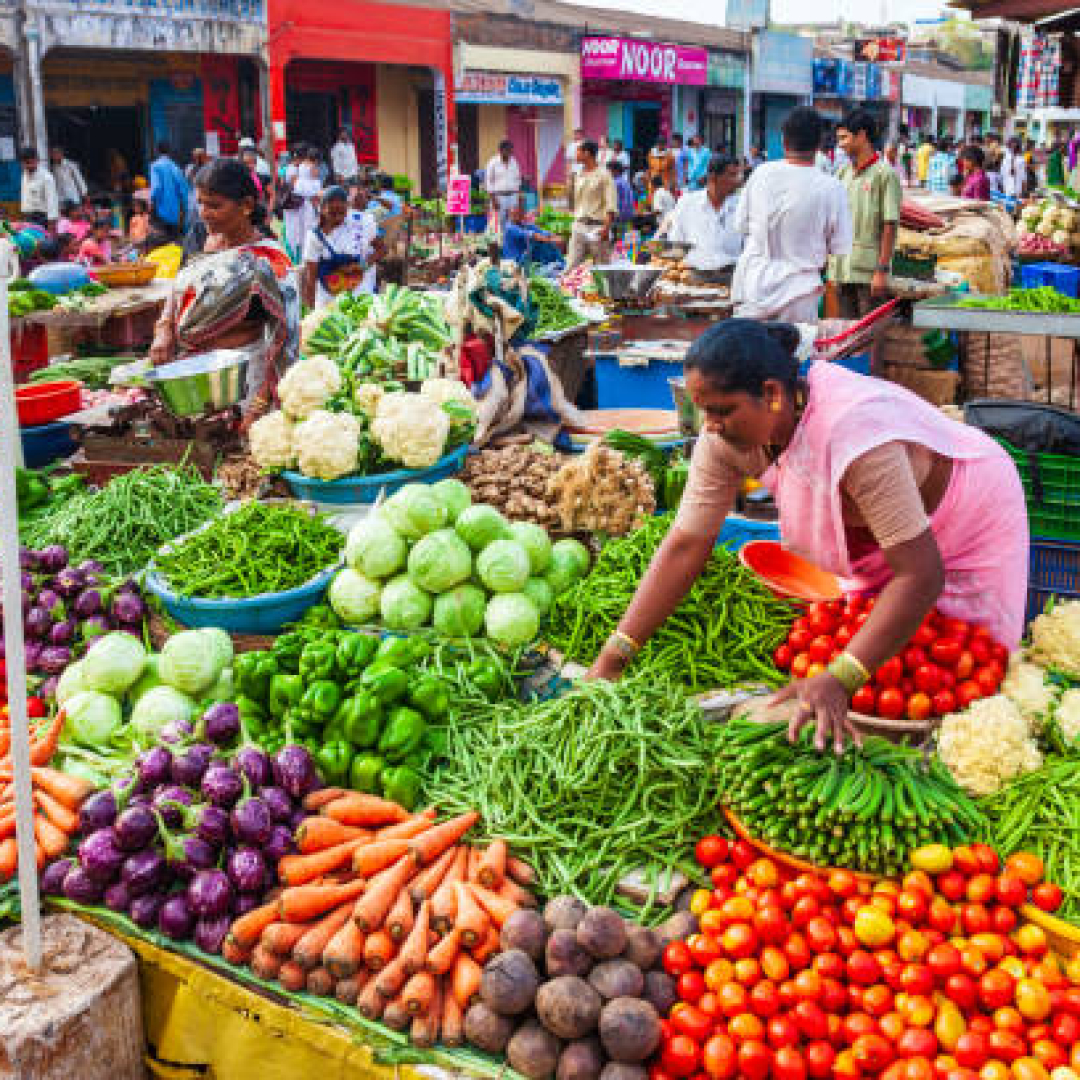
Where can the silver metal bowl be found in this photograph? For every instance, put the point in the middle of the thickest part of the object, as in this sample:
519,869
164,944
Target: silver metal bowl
625,281
201,383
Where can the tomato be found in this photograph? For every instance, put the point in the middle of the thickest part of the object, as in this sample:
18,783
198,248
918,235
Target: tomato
843,636
748,971
704,949
724,876
711,851
917,979
872,1051
946,651
800,665
764,999
746,1026
996,988
1004,919
821,650
925,636
1047,896
954,628
891,703
834,996
821,618
739,940
953,883
691,987
788,1064
863,968
942,915
967,692
890,673
1032,999
919,706
819,1059
962,989
917,1042
843,883
743,854
1066,1029
864,700
845,1067
1006,1045
913,658
980,889
797,951
975,919
1026,866
1010,890
1049,1054
774,964
677,958
928,678
798,640
972,1049
829,966
783,656
878,1000
690,1021
720,1057
1031,940
755,1060
943,960
680,1056
782,1031
987,679
733,999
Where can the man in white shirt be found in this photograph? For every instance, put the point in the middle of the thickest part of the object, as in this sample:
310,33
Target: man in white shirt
705,218
1013,170
70,185
502,181
794,217
39,202
343,159
572,164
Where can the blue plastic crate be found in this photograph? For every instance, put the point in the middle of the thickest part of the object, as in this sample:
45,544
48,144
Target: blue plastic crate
739,531
640,387
46,443
1054,571
858,362
1066,279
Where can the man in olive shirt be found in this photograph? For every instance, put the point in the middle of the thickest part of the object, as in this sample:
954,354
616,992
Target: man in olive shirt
596,203
874,195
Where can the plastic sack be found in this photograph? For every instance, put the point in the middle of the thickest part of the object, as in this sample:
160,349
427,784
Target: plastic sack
1038,429
167,259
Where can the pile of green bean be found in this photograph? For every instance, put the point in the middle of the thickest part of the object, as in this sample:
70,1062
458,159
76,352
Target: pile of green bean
261,548
125,522
722,635
552,306
587,787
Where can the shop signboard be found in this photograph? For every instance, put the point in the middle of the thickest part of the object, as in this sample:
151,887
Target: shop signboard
643,61
858,83
844,79
874,86
726,70
885,50
457,194
783,64
978,97
495,88
747,14
825,68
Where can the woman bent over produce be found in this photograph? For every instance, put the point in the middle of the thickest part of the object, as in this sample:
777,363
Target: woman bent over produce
872,484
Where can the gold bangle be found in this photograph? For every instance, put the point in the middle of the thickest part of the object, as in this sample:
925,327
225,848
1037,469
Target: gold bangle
863,670
624,645
849,671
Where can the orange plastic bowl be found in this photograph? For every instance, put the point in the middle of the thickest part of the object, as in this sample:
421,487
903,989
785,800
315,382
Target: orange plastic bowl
787,575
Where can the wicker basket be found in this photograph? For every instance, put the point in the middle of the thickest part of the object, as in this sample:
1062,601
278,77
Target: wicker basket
119,275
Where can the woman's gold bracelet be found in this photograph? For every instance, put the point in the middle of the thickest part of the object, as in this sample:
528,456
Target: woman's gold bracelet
624,645
849,671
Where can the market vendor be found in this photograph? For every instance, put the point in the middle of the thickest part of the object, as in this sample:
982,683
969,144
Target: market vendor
872,483
705,219
339,252
525,242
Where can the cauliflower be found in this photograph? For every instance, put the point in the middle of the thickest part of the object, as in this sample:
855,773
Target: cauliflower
1068,714
1026,687
1055,638
327,445
366,398
439,391
987,745
411,429
271,441
308,385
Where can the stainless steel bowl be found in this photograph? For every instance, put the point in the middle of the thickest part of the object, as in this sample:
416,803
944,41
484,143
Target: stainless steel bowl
202,383
625,281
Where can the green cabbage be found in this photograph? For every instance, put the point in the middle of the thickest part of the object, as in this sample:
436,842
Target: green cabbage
569,562
159,707
539,592
404,606
188,663
354,597
439,561
71,682
570,550
147,681
454,495
413,511
375,548
91,718
511,619
536,542
113,663
481,525
223,690
222,646
503,566
459,612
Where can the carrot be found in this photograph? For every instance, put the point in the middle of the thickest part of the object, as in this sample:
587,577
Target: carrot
7,825
465,980
319,982
473,864
498,908
9,858
291,976
443,903
247,930
320,833
392,978
441,958
64,819
314,801
233,951
52,842
382,890
428,846
5,741
452,1024
410,827
518,896
304,869
348,990
371,858
308,951
425,1026
430,878
359,808
414,952
470,919
396,1016
369,1001
43,749
418,992
302,903
400,920
487,947
520,871
265,964
492,867
70,790
344,955
378,950
281,937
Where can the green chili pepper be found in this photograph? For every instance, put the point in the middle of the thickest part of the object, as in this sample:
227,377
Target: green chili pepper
364,772
285,692
253,673
334,760
355,652
317,661
322,698
431,696
360,717
401,785
387,683
402,734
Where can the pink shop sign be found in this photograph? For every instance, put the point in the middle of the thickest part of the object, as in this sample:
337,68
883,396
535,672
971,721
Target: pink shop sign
642,61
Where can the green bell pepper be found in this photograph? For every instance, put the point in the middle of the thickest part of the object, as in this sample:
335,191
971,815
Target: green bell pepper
355,652
361,718
431,696
333,761
487,676
397,651
302,724
30,490
321,616
365,771
287,648
285,692
401,785
402,735
253,716
253,673
322,697
317,661
387,683
272,742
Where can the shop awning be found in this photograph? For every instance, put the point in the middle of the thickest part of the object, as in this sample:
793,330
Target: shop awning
1016,10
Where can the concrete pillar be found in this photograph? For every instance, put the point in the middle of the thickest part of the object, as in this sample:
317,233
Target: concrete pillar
276,92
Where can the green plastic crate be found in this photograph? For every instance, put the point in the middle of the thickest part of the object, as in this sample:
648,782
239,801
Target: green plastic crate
1052,490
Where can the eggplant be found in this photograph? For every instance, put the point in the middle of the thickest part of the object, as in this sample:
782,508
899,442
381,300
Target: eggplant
153,767
189,766
222,785
28,560
33,650
49,601
52,877
90,566
210,894
129,608
296,818
176,732
175,919
81,887
278,803
144,909
54,658
53,558
68,582
251,821
221,723
118,897
170,800
94,627
98,812
246,869
254,765
87,603
210,933
143,871
209,822
246,902
187,856
135,827
37,623
278,845
100,855
62,633
294,770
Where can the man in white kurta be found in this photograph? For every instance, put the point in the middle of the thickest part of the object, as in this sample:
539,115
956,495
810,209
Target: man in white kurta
705,218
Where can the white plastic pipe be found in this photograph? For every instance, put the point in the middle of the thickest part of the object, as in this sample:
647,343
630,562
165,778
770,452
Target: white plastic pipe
14,643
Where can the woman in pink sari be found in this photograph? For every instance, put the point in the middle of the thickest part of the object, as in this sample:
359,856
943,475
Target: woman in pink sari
872,484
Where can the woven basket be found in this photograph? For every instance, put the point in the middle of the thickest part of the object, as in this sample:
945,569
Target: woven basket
120,275
937,387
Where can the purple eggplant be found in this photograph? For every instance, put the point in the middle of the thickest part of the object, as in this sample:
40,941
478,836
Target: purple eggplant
189,766
33,650
37,623
54,658
81,887
210,894
49,601
144,909
186,856
221,723
87,603
118,897
63,633
47,690
28,560
129,608
176,732
251,821
296,818
94,627
210,823
246,869
143,871
254,766
210,933
278,803
295,771
246,902
221,784
53,558
278,845
68,583
98,812
135,827
175,919
90,566
100,855
169,801
52,877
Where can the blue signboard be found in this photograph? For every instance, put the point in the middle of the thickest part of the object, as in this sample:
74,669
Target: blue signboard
493,88
784,64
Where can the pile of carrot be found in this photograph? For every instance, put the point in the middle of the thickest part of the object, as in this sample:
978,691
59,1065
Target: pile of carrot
57,798
387,911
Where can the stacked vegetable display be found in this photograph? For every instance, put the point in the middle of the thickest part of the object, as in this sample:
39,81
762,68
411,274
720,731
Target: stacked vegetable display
552,308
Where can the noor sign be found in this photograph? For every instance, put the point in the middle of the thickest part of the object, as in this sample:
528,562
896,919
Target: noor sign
643,61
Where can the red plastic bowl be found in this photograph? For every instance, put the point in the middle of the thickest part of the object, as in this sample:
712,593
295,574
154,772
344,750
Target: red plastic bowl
787,575
41,403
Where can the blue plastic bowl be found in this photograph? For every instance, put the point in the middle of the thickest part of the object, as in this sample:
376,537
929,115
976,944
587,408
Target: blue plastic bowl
365,489
263,615
46,443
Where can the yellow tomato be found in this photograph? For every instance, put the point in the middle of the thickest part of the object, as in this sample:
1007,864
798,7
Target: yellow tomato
933,858
994,1070
949,1024
719,973
1033,999
699,902
912,945
1031,940
764,873
1029,1068
874,928
1014,966
1072,969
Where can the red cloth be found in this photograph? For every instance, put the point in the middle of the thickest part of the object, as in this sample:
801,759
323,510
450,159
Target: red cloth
475,360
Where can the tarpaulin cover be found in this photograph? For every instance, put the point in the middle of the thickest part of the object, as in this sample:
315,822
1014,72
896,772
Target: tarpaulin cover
1038,429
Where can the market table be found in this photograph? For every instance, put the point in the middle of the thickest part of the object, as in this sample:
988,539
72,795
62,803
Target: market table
123,317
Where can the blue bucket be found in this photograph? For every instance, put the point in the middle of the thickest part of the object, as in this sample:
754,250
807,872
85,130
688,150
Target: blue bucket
45,443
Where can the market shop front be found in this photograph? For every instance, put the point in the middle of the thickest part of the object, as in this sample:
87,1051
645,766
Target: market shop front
722,102
783,78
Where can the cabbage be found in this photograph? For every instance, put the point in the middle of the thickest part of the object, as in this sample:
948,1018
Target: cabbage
413,511
572,550
536,542
147,681
567,565
91,718
440,561
454,495
223,690
459,612
511,619
539,592
222,647
114,663
481,525
354,597
503,566
188,663
375,548
160,707
71,682
403,605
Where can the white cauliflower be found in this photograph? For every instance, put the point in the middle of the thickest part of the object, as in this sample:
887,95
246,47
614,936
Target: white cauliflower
366,398
327,445
1068,714
411,429
308,385
987,745
1055,638
271,441
1026,687
443,390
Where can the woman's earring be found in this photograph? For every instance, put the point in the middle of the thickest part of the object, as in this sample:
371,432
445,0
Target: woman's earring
774,406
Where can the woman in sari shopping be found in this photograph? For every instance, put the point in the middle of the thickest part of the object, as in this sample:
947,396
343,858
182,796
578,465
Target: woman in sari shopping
872,484
339,253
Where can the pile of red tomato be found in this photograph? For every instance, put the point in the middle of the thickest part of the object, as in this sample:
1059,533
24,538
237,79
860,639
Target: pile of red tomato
935,977
947,665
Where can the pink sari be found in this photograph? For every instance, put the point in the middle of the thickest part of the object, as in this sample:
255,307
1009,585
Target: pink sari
980,526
